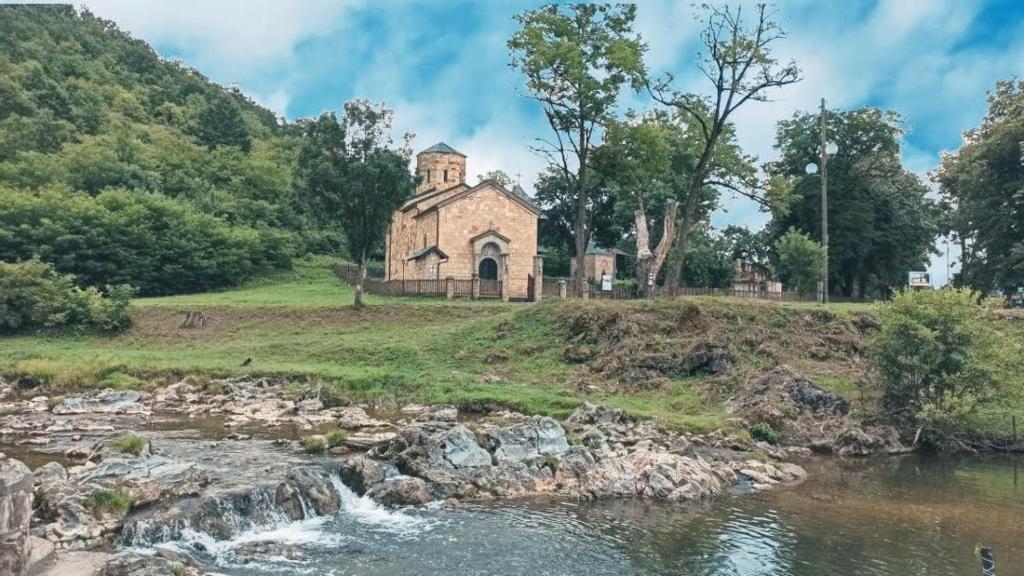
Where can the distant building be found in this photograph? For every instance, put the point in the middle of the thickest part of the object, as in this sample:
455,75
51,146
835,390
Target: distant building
452,229
749,279
597,261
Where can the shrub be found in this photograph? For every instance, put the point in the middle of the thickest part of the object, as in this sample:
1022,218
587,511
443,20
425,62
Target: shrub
936,357
35,297
129,444
335,438
158,244
109,501
314,444
763,432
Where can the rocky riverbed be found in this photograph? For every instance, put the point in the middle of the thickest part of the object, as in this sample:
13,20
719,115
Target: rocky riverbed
144,480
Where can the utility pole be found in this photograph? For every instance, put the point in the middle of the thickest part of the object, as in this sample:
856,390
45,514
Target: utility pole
824,204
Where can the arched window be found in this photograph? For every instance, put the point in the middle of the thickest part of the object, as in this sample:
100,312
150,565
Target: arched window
445,174
428,175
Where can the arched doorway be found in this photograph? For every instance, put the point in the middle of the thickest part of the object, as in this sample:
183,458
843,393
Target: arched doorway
488,269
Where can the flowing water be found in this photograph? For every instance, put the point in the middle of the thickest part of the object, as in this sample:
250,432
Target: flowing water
909,516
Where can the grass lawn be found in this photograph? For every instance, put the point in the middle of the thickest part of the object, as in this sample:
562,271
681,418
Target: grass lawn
301,324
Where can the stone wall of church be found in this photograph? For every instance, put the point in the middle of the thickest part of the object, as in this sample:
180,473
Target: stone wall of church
405,236
431,169
484,210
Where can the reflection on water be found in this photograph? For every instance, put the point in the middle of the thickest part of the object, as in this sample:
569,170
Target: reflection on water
908,516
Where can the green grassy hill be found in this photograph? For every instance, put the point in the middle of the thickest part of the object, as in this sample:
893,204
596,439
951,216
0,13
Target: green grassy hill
544,358
99,135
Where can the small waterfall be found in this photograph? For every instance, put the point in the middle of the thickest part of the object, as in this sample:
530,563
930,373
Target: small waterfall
365,510
214,526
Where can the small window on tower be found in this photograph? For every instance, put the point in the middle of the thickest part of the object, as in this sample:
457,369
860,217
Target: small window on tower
428,175
446,175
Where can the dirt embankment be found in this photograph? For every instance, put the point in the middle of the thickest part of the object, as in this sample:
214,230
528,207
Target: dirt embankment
644,345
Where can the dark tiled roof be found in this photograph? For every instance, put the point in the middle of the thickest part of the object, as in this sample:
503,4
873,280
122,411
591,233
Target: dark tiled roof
518,191
593,248
442,148
424,251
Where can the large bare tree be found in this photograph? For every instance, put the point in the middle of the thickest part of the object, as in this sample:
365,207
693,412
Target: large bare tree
737,60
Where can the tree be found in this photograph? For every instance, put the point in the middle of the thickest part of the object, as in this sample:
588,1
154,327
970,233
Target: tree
801,262
221,123
737,60
576,59
350,172
498,176
882,223
981,186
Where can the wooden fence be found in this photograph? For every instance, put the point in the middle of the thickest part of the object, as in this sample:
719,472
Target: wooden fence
551,288
457,287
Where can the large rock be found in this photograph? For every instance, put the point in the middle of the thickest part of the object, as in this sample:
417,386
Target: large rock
361,473
147,479
15,515
461,450
108,401
519,442
588,413
135,564
857,441
782,395
401,492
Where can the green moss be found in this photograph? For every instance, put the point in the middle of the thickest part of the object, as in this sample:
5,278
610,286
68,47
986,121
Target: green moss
763,432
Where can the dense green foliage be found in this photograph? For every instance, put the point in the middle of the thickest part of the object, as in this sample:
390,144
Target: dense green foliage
982,187
801,262
881,222
937,357
85,107
152,242
35,298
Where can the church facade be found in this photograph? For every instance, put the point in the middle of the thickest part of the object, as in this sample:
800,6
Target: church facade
450,229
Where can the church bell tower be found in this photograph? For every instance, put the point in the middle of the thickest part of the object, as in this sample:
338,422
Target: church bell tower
440,167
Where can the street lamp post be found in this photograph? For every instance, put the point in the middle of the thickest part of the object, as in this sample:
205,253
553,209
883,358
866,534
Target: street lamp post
824,205
826,149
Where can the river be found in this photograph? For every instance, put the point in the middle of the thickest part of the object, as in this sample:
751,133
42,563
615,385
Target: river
914,515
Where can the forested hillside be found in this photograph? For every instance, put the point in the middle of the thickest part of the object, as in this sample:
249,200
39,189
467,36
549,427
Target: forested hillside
121,167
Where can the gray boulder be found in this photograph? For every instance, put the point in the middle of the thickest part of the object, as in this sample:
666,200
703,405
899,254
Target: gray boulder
461,450
401,492
588,413
362,473
15,515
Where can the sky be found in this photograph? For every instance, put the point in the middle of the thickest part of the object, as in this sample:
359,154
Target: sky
443,67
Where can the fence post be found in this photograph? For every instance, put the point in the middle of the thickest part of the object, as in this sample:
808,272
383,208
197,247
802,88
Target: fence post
476,287
585,287
538,278
988,562
449,287
505,286
562,289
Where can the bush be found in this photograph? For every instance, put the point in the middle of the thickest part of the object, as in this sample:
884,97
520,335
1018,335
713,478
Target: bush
936,357
763,432
35,297
129,444
314,444
158,244
335,438
109,501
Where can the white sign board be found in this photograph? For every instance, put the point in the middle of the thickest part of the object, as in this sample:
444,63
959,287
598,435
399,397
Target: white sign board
606,283
919,280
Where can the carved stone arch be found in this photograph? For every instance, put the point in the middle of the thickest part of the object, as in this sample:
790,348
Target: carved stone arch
489,246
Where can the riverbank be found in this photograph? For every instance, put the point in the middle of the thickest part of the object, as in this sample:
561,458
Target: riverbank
159,477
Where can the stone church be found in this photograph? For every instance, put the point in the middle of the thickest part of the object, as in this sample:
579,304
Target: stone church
452,229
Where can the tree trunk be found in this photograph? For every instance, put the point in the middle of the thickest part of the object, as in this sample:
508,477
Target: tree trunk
360,278
581,222
649,263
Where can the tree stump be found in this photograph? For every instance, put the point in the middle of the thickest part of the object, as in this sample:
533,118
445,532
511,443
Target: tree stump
194,319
